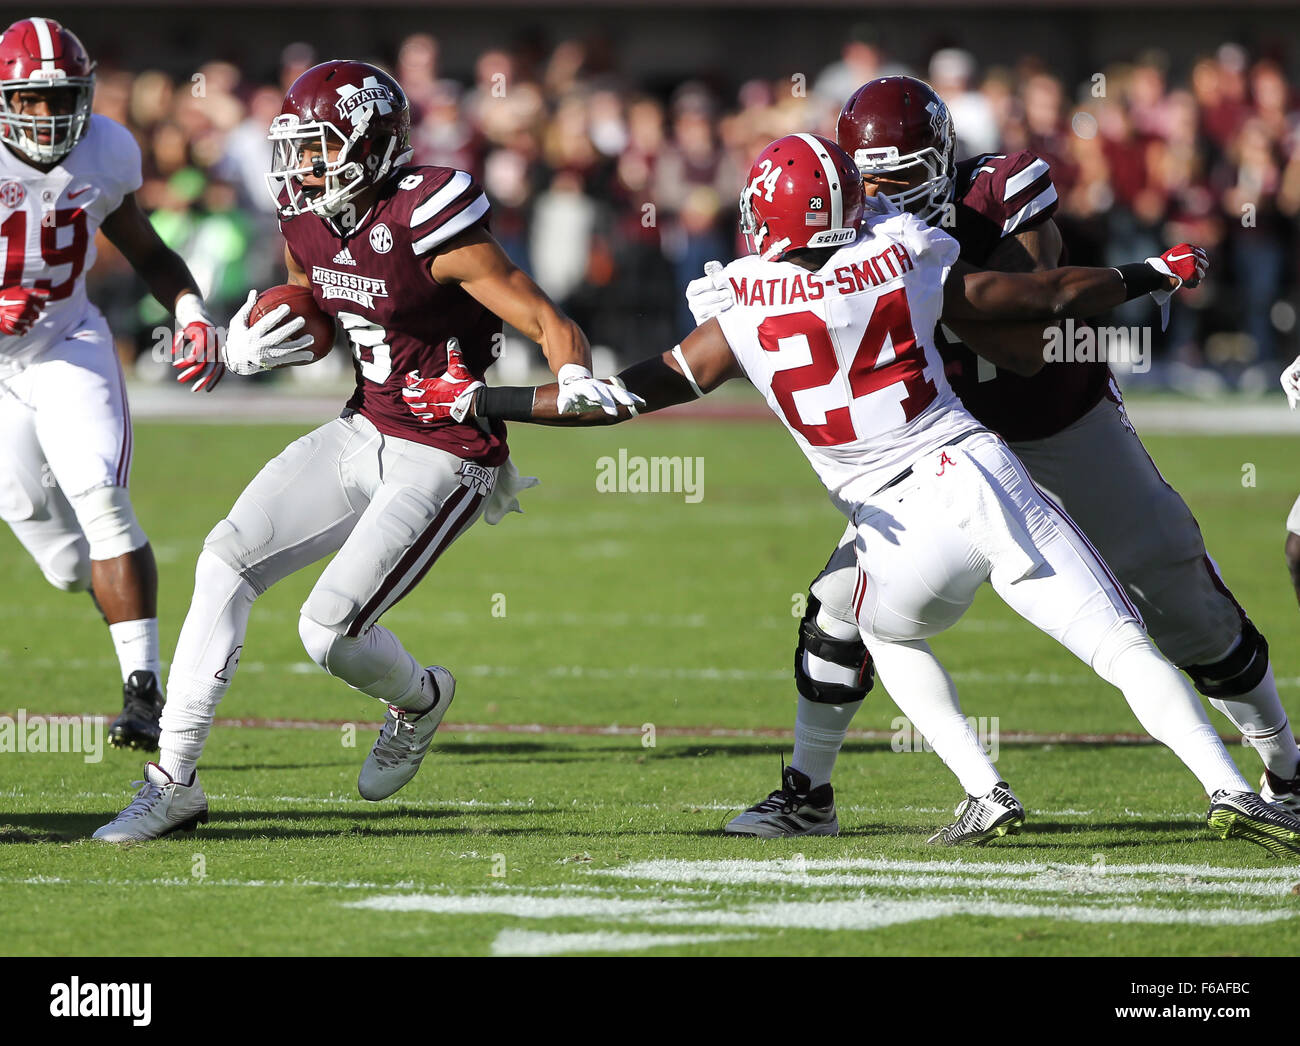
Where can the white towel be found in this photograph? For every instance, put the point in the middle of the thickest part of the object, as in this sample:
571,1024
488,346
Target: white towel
972,500
502,501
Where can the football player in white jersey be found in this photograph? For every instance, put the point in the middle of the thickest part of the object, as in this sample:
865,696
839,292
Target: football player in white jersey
65,175
834,323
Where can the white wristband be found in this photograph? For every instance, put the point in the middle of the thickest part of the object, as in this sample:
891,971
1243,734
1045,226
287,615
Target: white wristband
189,309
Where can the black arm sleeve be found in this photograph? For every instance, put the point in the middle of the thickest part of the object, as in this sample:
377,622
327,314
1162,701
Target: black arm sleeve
1139,279
507,402
656,383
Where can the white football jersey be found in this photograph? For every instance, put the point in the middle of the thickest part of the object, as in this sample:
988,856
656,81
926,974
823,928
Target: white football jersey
48,222
845,356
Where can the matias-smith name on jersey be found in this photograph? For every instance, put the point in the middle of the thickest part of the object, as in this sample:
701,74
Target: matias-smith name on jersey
889,264
348,285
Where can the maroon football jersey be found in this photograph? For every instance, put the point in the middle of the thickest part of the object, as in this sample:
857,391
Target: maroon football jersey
374,280
999,196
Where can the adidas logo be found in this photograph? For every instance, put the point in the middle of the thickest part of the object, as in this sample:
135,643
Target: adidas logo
344,257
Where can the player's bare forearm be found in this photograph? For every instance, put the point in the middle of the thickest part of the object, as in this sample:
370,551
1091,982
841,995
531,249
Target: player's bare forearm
162,269
700,364
1011,345
1073,291
476,262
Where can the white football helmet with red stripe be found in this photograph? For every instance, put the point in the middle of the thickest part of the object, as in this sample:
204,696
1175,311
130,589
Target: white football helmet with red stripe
39,55
803,191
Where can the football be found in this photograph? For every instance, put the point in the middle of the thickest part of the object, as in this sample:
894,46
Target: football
319,324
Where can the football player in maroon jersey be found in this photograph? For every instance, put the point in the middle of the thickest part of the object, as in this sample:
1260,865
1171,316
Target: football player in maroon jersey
402,258
67,174
1066,422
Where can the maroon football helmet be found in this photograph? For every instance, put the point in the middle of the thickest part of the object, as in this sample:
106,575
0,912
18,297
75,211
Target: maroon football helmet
802,191
894,123
38,54
354,108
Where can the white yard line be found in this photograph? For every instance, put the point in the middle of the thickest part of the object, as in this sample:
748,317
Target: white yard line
532,942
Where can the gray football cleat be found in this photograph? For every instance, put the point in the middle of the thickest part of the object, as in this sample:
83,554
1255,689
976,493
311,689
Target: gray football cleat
160,807
403,741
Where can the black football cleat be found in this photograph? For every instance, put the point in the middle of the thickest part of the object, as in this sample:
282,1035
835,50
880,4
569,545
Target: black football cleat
138,726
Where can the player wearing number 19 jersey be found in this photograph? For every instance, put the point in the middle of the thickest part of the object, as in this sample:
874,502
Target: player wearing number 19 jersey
66,175
402,258
834,325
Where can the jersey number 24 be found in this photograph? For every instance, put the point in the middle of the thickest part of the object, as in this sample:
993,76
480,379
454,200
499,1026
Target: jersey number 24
891,320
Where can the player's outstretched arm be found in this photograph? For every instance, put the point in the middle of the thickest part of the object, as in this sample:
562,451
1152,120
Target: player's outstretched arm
170,281
476,262
1070,291
701,363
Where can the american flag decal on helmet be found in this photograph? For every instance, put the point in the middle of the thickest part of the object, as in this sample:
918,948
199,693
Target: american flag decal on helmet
817,219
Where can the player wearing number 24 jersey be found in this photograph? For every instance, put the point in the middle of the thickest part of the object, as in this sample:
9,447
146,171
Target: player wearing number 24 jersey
66,175
402,258
834,324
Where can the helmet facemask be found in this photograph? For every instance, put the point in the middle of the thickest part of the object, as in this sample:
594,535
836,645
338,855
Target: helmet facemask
345,177
755,230
63,130
928,199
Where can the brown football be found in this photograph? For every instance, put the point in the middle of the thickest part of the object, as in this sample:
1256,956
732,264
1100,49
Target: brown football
320,325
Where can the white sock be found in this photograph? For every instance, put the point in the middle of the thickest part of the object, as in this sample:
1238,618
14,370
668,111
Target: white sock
1259,715
819,731
207,654
1166,706
136,643
926,695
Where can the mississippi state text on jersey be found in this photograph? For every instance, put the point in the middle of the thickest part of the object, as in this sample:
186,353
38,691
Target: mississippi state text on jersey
48,222
845,355
996,197
374,280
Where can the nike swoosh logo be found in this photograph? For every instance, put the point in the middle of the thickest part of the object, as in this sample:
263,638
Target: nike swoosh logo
1180,257
84,188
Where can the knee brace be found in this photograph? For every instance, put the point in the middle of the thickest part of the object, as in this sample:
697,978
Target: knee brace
846,653
1238,673
108,521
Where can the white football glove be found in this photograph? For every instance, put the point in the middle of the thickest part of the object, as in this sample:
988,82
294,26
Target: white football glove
1291,383
262,346
710,294
579,391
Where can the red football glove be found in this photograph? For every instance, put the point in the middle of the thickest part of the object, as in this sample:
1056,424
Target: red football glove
1186,263
196,352
447,396
20,307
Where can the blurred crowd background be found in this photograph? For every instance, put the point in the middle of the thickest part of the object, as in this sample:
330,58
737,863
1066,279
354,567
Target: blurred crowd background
613,193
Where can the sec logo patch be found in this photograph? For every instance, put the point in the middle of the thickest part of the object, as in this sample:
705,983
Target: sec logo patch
12,194
381,239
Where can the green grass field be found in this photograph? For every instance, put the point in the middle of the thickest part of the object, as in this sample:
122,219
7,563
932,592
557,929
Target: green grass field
664,619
